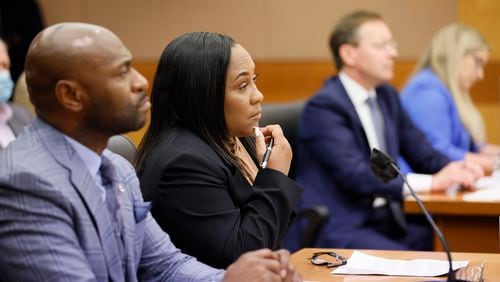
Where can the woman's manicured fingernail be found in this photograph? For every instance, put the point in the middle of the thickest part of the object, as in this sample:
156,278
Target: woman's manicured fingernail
257,131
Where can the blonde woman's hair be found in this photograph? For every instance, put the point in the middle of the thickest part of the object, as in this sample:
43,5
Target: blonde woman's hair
444,55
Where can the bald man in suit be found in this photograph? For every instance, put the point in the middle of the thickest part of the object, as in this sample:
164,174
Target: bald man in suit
72,210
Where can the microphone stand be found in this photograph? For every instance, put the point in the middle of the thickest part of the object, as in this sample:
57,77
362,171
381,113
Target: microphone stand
442,239
386,160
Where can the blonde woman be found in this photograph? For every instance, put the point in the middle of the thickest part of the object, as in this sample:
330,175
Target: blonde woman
437,96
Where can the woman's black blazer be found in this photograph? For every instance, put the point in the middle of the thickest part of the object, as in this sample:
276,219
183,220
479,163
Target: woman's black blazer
206,205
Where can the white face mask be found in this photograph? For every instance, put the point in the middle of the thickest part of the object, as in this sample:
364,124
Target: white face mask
6,86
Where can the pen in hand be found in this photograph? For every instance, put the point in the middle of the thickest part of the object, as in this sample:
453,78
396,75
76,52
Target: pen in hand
267,154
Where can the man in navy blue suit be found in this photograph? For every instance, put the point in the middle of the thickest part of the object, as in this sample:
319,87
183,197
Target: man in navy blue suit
353,113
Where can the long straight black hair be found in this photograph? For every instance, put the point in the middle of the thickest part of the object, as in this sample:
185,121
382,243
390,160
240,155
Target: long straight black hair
188,90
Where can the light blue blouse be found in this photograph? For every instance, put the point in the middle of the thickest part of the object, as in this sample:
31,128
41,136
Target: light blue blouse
430,105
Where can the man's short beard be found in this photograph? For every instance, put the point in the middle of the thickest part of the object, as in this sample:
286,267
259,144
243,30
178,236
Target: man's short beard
114,125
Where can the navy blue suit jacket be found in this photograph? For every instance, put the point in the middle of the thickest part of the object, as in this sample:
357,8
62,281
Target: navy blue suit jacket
333,158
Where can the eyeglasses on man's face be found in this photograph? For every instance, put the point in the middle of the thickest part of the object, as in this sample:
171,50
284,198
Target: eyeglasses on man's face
329,259
385,45
379,45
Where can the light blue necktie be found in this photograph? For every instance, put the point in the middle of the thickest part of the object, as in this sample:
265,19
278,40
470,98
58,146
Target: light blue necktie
378,122
107,171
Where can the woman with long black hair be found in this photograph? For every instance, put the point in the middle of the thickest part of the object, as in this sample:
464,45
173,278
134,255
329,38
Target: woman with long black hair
199,161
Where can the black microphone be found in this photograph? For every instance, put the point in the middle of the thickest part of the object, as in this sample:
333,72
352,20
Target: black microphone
386,169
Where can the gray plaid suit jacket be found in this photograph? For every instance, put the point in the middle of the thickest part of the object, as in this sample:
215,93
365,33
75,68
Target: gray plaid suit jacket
54,225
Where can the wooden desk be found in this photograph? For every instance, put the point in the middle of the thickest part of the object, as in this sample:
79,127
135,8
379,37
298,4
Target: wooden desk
468,226
312,272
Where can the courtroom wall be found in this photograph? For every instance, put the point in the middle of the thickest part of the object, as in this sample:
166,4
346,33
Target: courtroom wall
288,38
269,29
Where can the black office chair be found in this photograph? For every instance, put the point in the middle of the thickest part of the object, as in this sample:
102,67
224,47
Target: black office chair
123,146
287,116
316,217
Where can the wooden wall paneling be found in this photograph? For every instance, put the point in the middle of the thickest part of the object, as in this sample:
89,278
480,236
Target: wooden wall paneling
283,81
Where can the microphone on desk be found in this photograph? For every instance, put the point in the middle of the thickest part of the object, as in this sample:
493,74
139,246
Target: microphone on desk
386,169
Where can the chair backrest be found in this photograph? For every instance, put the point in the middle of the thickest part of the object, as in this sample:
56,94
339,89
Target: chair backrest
123,146
287,116
316,217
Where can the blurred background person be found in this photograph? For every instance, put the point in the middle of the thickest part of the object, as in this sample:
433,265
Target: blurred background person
352,113
199,160
21,95
437,96
12,118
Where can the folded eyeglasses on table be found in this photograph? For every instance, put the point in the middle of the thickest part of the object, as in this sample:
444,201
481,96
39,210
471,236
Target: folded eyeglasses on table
329,259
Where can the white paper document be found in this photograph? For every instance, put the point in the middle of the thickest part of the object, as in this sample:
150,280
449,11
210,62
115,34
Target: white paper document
488,189
488,182
485,195
361,263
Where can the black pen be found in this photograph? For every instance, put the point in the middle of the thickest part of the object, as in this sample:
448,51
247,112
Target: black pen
267,154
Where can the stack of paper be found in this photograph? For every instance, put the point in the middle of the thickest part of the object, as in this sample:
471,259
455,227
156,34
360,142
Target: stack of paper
488,182
361,263
485,195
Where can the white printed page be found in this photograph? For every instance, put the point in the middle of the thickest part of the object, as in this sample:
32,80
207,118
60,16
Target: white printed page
363,264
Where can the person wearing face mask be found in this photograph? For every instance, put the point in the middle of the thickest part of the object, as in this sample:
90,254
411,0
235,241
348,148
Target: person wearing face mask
437,95
12,118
